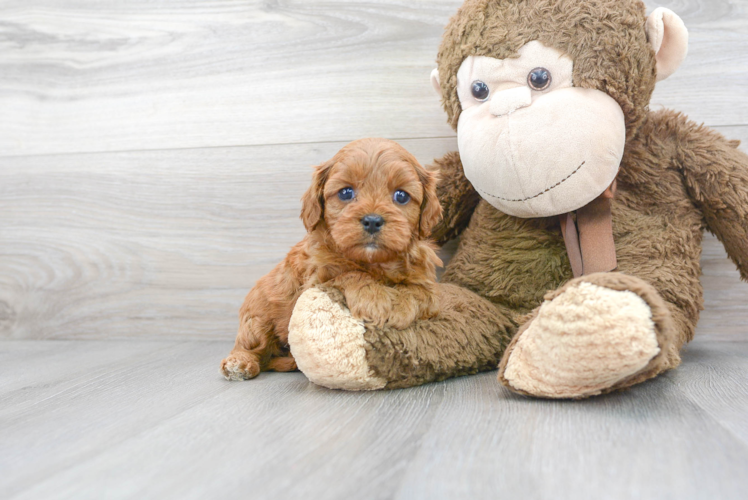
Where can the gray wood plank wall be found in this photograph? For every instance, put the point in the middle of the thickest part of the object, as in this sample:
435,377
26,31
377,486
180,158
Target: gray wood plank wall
152,155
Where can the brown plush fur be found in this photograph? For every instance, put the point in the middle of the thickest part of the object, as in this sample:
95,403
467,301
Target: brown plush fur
676,180
659,213
667,334
387,277
467,336
604,38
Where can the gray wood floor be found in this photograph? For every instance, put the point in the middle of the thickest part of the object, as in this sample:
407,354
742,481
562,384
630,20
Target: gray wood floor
152,155
127,419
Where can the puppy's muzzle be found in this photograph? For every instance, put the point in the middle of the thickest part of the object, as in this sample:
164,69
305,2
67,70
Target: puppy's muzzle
372,223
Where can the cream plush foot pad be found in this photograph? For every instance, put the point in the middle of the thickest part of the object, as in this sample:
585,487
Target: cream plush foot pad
582,342
328,344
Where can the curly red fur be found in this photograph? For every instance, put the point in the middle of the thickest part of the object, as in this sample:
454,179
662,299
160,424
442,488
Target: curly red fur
387,277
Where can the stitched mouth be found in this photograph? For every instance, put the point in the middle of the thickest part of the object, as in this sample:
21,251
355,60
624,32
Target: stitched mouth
546,190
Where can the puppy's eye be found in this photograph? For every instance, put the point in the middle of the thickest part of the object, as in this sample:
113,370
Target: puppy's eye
346,194
479,90
539,79
401,197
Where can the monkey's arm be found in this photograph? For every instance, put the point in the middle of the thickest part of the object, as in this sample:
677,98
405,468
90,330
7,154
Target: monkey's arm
457,197
716,174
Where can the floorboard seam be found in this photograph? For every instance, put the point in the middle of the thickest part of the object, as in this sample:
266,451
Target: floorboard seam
227,146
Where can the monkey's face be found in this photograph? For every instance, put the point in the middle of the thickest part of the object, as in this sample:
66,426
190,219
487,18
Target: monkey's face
531,143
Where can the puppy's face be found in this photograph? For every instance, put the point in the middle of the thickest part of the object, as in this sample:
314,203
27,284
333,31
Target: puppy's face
375,199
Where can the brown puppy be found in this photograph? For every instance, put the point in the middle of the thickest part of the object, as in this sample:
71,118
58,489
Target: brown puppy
367,215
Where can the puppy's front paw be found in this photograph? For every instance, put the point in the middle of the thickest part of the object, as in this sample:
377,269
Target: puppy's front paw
373,313
240,367
404,312
401,319
410,304
371,303
429,307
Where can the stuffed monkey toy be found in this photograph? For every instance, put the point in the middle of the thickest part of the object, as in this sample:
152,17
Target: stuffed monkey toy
580,211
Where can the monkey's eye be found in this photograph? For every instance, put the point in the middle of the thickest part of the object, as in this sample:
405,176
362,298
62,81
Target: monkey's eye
401,197
346,194
539,79
479,90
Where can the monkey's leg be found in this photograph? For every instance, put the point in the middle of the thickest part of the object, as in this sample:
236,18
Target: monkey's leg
335,350
596,334
252,350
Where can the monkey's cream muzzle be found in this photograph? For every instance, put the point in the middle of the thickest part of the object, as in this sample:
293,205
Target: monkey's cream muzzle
510,100
537,153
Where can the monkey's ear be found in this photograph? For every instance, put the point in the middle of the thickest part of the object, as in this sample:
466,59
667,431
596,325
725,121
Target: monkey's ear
435,82
669,38
431,209
313,200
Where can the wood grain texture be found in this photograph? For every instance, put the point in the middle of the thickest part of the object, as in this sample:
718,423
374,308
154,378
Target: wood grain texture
152,156
718,390
109,76
651,443
94,76
163,244
710,85
142,419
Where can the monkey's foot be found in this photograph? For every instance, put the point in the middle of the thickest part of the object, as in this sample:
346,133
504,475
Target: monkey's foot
596,334
328,344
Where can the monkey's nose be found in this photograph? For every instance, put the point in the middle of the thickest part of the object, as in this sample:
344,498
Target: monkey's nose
507,101
372,223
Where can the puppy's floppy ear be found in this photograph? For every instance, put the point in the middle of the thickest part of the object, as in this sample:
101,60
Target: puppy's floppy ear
431,209
313,201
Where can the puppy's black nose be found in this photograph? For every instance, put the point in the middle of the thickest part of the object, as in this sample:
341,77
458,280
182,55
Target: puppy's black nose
372,223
